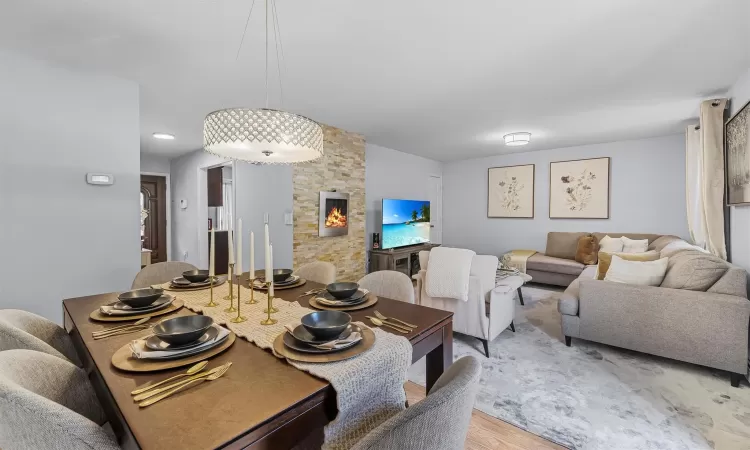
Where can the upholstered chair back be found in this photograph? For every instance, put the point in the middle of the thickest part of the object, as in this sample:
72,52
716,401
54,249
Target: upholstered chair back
389,284
47,402
160,273
41,328
319,271
440,421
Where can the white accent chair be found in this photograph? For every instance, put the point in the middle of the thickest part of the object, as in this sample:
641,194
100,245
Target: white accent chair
389,284
318,271
489,310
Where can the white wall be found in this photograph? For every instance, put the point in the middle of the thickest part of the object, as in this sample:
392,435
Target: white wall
740,215
647,195
265,189
190,225
61,237
393,174
154,163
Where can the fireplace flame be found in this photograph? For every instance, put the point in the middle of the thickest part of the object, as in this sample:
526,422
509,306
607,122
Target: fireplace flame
335,219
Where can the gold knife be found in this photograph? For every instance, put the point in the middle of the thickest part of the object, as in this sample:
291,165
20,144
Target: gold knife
189,384
198,376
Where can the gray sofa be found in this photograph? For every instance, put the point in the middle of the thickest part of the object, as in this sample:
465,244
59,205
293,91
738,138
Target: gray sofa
704,322
557,265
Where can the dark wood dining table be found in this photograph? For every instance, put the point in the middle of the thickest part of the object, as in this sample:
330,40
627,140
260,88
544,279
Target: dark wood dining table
261,403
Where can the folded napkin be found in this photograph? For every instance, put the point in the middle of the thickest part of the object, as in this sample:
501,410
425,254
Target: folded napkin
325,301
140,351
354,336
128,311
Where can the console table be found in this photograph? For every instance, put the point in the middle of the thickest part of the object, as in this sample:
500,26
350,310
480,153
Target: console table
403,259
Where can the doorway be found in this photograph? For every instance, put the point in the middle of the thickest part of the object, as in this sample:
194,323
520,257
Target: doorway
154,216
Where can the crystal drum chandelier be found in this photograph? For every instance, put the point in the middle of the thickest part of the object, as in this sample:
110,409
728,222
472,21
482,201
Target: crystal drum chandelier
265,136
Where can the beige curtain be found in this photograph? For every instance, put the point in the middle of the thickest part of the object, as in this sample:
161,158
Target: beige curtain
696,215
705,178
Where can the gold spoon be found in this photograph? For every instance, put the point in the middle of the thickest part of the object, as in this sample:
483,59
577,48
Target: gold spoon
382,317
157,391
194,369
214,376
380,323
122,327
123,331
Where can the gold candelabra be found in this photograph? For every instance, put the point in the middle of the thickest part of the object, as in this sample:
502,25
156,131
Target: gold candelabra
268,320
252,300
212,304
230,297
240,318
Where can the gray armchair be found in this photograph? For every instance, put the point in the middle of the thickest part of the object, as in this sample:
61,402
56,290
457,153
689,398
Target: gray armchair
439,422
318,271
29,325
47,402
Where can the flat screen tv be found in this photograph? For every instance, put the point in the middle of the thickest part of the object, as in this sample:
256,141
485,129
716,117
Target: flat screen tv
405,222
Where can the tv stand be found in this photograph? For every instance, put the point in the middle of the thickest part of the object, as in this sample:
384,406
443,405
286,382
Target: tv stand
402,259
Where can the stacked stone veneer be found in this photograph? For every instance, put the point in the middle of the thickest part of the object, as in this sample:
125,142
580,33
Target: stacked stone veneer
342,168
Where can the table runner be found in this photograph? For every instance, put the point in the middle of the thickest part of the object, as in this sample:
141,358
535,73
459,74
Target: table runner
369,387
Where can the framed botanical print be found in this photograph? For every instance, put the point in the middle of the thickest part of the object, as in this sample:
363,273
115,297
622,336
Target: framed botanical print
737,138
510,192
579,189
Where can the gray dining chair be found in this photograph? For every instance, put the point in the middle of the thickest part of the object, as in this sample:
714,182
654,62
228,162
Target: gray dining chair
160,273
439,422
389,284
319,271
48,403
12,338
37,326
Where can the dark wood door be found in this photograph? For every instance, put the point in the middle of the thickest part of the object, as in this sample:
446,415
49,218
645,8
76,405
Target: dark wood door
154,201
215,185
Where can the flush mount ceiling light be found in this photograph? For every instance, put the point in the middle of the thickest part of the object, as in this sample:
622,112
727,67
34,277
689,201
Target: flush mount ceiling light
165,136
263,135
516,139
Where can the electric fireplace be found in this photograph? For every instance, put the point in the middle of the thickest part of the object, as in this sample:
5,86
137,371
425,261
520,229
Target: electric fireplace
334,214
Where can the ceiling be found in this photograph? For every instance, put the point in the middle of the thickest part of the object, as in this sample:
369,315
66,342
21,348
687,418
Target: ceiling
437,78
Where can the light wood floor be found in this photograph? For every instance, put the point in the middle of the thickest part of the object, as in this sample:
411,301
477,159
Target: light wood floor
489,433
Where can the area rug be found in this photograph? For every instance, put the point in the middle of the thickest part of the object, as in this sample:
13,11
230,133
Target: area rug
593,396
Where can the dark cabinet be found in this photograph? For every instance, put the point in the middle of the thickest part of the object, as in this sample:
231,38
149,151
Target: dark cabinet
214,183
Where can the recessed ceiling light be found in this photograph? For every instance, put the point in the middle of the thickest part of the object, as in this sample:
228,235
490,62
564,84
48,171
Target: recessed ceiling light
166,136
516,139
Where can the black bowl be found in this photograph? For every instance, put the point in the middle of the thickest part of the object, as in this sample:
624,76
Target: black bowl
183,330
326,324
342,290
195,276
280,275
140,298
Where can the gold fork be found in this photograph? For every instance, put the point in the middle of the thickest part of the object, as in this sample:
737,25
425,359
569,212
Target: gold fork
212,377
383,317
153,392
121,332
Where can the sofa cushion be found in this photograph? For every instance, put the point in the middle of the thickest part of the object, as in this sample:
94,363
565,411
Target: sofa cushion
734,282
634,245
605,259
694,271
588,250
662,242
546,263
563,244
677,246
611,245
568,303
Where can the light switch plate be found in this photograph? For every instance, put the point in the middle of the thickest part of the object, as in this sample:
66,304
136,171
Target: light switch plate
288,219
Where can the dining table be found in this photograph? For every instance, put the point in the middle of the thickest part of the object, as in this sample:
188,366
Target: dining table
262,402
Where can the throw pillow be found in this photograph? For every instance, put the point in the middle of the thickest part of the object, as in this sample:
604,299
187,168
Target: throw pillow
605,259
610,245
662,241
643,273
694,271
634,246
587,250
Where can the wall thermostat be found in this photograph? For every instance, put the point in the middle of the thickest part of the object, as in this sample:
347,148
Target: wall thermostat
183,204
100,179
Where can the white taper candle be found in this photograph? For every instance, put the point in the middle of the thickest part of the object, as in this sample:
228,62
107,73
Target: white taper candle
270,252
230,244
212,255
252,255
238,262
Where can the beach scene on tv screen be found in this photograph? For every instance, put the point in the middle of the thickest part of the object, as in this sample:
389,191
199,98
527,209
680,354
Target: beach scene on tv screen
405,222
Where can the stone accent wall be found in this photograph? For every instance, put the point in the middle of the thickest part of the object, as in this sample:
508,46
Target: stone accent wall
342,168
